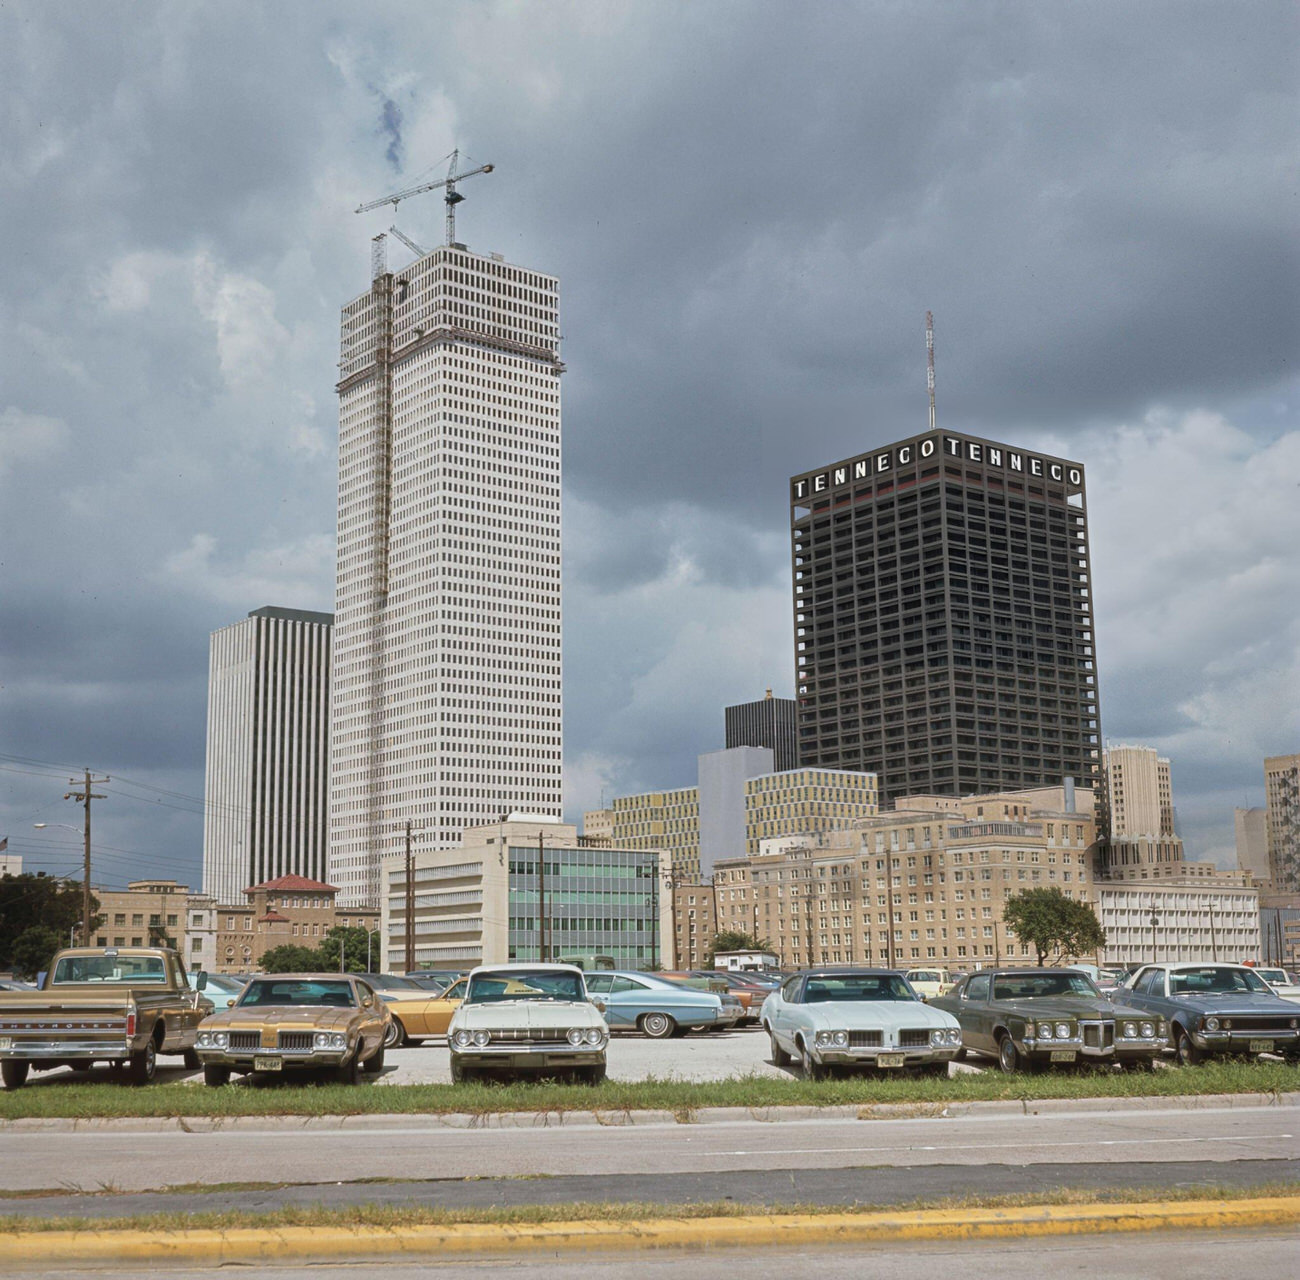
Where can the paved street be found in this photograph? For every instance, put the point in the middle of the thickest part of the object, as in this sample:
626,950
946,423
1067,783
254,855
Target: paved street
1164,1256
123,1157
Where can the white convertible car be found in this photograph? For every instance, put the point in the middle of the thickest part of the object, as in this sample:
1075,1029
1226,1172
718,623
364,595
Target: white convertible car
527,1019
848,1017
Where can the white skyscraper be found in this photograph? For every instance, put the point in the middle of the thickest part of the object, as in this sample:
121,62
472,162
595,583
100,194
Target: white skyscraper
447,702
267,786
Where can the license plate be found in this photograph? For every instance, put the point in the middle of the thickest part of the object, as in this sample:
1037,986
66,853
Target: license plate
1261,1046
890,1059
6,1042
1062,1055
267,1062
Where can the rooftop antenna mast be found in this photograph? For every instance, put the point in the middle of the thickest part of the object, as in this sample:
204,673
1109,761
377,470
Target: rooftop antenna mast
452,197
929,361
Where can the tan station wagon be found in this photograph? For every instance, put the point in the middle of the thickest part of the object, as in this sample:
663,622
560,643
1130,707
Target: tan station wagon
287,1022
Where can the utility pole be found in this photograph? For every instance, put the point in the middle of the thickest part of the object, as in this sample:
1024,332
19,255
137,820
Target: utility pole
85,796
410,902
1214,941
889,897
541,896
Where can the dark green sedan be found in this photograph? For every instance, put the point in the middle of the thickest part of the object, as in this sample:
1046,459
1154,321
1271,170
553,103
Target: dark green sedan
1027,1018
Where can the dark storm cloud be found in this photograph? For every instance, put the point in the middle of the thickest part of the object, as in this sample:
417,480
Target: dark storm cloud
751,207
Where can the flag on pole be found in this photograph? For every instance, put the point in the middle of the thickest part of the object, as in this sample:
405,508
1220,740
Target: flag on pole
4,843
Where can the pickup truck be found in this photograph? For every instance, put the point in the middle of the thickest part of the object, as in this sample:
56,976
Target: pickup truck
123,1005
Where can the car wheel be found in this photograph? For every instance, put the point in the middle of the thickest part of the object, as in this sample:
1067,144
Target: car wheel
812,1069
191,1060
459,1073
779,1056
658,1026
373,1066
14,1073
1009,1057
1188,1054
143,1064
216,1076
395,1036
350,1071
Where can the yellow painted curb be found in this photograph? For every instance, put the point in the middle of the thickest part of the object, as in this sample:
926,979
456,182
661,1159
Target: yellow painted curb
278,1243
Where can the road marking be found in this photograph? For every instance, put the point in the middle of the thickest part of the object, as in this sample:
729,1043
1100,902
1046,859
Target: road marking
983,1146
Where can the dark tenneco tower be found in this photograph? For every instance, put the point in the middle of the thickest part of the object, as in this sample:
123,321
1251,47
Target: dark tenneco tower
943,618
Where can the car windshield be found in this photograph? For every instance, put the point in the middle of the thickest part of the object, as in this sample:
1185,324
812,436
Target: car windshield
123,969
390,982
298,991
1215,981
857,986
924,975
1276,976
524,984
1036,986
219,982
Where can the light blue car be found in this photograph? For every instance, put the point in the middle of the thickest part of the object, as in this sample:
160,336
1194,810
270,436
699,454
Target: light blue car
652,1005
221,989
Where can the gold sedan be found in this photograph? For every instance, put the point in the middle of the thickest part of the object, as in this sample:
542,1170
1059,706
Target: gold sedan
418,1013
294,1022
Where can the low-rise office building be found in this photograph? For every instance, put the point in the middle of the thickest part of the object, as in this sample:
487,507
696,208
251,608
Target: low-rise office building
1179,919
528,888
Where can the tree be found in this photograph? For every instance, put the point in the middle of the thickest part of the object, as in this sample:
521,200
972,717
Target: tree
1047,920
353,941
292,958
33,950
39,902
735,940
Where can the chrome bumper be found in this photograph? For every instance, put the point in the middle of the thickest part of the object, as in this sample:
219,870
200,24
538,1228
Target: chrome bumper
867,1056
36,1050
526,1057
290,1057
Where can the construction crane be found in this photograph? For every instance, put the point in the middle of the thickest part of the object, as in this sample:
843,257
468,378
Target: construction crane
930,363
451,199
409,243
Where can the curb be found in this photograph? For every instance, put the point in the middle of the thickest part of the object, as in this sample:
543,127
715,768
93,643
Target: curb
245,1244
702,1115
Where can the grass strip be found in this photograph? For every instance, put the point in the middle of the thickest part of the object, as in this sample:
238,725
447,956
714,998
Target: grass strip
54,1099
395,1217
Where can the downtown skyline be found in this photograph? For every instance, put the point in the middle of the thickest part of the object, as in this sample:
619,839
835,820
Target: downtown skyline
1104,245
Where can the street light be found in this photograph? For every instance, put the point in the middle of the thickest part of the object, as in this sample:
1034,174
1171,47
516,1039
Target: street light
1155,920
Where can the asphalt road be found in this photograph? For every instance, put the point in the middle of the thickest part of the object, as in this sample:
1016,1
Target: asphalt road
123,1158
1167,1256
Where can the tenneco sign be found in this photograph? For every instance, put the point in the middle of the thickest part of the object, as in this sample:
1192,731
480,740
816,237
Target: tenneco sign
953,448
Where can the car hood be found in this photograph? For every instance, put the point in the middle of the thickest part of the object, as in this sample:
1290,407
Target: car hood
877,1013
531,1014
1086,1007
1233,1002
281,1015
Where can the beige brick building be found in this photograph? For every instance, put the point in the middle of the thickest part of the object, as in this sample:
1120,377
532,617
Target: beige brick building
1137,793
142,914
695,924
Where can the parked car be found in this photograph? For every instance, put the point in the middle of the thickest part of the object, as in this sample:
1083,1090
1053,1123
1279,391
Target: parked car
1036,1017
928,983
122,1005
834,1017
1216,1009
284,1023
652,1005
436,980
416,1014
1283,983
750,993
527,1019
220,988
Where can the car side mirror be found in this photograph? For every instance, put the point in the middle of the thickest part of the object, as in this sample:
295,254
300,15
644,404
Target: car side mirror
201,982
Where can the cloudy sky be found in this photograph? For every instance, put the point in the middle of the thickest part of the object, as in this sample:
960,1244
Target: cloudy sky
750,206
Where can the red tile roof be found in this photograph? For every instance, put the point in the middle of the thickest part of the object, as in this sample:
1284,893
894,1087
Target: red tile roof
273,917
293,884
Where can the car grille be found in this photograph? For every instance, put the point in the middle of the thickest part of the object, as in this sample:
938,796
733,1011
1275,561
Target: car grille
865,1040
245,1039
295,1039
914,1038
530,1035
1275,1025
1098,1035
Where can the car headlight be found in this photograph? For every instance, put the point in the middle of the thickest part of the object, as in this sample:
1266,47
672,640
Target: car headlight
218,1039
1063,1031
954,1035
1211,1024
462,1039
1147,1031
939,1036
576,1035
1227,1024
203,1040
321,1040
1131,1030
481,1038
833,1039
1295,1024
595,1035
1044,1030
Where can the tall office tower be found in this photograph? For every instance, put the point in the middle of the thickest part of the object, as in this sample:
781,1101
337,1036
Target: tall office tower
771,723
943,626
1282,800
1137,794
447,704
267,787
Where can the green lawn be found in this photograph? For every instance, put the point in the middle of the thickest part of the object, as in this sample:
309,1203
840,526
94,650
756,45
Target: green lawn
53,1098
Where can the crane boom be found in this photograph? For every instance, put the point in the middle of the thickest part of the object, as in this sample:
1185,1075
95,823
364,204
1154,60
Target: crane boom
452,198
416,249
